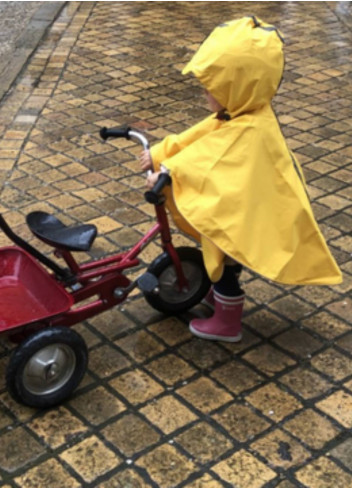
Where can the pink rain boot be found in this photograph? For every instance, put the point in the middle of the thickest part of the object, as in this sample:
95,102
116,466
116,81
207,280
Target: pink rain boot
225,324
209,299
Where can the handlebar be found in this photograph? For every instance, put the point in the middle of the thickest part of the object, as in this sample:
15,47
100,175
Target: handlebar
151,196
126,133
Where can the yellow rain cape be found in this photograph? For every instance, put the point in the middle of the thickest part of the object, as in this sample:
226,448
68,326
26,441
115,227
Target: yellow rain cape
236,187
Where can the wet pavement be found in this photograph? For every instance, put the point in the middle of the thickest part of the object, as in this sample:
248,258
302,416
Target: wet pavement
22,26
14,17
159,408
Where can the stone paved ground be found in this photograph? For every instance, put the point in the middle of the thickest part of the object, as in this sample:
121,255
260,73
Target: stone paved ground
157,407
22,26
15,16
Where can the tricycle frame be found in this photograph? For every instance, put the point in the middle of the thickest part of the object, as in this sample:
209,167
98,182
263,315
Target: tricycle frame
51,359
104,277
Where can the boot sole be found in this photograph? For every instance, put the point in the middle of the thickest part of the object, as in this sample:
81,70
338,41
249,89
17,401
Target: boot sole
206,336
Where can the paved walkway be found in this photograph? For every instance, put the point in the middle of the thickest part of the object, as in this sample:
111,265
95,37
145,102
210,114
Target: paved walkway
22,26
157,407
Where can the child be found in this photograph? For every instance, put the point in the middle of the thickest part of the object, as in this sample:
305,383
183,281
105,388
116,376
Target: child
236,187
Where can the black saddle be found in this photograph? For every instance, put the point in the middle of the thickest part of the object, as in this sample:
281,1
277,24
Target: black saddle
52,231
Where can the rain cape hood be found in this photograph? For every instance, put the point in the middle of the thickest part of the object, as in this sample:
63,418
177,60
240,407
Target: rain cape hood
236,187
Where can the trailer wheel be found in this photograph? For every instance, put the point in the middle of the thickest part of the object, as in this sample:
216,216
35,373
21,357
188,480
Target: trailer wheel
46,367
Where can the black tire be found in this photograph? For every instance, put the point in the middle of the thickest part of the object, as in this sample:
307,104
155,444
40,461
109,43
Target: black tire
170,299
46,367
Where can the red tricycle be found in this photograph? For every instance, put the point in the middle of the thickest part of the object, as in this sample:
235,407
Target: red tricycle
40,299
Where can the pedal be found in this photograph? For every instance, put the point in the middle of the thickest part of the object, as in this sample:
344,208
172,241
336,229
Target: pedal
148,283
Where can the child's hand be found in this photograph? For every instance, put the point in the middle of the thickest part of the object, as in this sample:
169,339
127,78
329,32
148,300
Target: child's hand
152,179
146,161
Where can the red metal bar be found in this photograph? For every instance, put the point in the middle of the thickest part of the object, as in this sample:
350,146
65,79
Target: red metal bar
104,288
85,276
78,315
182,281
166,240
102,266
69,259
102,262
163,224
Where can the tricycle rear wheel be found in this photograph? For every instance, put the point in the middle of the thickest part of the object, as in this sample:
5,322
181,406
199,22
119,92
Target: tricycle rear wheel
46,367
170,299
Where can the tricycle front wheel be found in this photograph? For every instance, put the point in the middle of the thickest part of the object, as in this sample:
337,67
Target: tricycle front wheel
171,299
46,367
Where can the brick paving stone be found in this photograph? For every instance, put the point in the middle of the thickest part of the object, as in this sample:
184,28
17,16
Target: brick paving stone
97,405
170,369
168,414
268,359
204,395
241,422
47,474
136,386
281,449
326,325
323,473
266,323
273,402
236,377
90,458
19,448
166,465
333,363
242,469
306,383
131,434
345,343
125,478
205,481
312,428
343,452
56,427
338,407
298,342
204,443
158,407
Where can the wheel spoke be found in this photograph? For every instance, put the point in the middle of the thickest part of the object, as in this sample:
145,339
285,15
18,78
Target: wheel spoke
169,289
